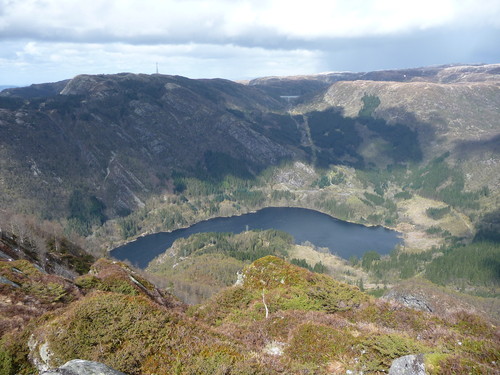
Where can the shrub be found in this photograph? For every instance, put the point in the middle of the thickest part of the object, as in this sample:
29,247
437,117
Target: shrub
317,344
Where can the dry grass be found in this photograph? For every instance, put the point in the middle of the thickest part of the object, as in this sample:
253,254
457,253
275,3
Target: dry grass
414,222
337,267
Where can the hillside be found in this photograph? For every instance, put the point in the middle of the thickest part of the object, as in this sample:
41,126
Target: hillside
458,117
120,138
279,319
103,159
97,147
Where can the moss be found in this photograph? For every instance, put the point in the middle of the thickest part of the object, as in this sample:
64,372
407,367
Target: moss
319,344
14,353
47,291
272,272
278,327
296,301
471,324
6,366
379,350
456,364
25,267
285,287
88,282
134,335
432,362
301,289
116,277
482,350
233,299
387,315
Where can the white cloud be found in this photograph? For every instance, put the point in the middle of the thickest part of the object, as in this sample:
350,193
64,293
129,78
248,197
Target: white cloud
219,21
47,40
44,61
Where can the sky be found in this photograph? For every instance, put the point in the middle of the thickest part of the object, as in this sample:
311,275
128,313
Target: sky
51,40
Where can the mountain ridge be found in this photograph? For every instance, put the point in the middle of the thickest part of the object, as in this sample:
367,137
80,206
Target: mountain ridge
99,147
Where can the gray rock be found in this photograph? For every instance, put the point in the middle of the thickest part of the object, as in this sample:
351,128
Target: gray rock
409,300
408,365
4,280
82,367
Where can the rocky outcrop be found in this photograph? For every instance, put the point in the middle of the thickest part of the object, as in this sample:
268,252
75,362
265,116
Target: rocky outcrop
408,365
423,295
417,302
82,367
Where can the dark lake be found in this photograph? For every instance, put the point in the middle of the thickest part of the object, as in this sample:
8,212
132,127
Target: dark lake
342,238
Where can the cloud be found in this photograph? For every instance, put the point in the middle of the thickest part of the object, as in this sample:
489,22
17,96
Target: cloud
48,61
47,40
245,23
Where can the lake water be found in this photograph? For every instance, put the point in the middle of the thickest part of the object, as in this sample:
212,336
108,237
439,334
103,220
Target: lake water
340,237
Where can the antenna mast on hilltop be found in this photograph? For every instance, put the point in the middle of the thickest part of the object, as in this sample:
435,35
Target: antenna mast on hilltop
156,68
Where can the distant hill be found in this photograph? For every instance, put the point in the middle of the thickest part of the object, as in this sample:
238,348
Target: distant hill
115,140
3,87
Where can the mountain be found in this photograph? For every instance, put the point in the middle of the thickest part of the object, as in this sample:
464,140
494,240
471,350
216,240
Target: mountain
109,142
121,137
109,157
305,84
3,87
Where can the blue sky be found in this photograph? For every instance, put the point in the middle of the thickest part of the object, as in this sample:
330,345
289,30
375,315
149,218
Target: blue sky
51,40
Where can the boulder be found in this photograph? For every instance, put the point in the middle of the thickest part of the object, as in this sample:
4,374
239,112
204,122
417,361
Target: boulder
408,365
82,367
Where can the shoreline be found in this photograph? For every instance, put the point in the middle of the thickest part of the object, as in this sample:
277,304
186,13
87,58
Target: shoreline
400,235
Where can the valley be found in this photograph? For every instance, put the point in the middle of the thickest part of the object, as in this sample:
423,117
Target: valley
136,155
97,161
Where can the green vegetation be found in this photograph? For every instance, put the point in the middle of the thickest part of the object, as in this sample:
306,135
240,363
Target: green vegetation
317,344
437,180
283,287
370,104
318,267
472,268
158,341
202,264
403,195
219,164
437,213
336,135
312,321
375,199
322,182
85,211
337,178
369,258
381,350
488,227
402,140
116,316
476,265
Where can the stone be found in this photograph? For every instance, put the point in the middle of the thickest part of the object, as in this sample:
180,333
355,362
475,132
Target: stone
82,367
408,365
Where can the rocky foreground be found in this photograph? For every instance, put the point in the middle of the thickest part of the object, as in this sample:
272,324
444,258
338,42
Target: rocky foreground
280,319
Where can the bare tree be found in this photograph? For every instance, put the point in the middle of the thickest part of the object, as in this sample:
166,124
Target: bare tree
265,304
